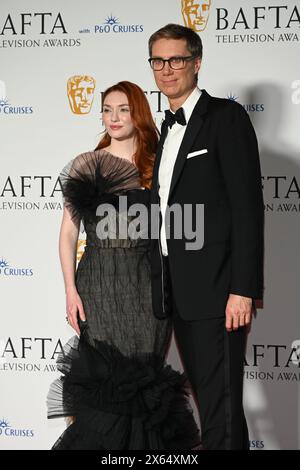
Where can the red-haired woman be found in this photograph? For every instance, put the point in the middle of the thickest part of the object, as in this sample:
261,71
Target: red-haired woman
115,383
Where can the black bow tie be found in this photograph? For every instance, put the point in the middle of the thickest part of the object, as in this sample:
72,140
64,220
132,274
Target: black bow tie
171,118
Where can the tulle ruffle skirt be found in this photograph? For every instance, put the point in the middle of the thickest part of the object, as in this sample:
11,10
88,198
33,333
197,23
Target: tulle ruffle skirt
118,402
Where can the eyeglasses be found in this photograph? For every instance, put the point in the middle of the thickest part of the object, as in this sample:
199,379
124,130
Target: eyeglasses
176,63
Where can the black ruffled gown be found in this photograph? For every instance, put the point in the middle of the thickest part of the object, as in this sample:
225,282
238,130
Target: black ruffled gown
115,382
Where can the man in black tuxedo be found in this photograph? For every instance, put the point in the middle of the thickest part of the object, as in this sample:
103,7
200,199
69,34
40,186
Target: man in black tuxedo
207,155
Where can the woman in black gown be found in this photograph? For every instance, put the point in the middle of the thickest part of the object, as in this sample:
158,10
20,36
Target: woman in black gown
115,383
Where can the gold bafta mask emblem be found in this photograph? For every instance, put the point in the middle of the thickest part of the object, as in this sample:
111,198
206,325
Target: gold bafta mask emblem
81,93
80,249
195,13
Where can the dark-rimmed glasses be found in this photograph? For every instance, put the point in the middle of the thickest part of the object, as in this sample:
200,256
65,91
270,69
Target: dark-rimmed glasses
175,63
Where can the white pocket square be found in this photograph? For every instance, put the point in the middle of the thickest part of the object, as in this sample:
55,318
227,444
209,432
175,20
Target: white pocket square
196,153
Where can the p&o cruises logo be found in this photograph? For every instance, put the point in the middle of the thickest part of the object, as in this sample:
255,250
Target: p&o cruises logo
113,25
7,108
8,271
249,107
10,431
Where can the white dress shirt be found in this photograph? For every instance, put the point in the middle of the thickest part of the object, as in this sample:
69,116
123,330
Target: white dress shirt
168,158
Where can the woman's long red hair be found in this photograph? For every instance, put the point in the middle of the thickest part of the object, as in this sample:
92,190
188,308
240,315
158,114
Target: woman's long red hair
146,131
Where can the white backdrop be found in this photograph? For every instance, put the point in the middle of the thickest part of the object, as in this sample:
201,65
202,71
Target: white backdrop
251,54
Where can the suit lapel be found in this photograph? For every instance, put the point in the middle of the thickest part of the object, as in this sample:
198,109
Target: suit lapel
193,127
164,131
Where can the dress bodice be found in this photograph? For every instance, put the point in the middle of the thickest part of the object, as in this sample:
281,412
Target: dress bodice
104,191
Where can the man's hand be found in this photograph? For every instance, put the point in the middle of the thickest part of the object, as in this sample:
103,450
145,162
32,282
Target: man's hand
238,312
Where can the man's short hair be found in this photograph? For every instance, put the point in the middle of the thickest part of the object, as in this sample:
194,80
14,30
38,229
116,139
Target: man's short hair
177,31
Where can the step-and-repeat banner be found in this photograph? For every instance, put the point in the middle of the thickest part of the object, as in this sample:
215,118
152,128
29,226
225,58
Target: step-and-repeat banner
56,58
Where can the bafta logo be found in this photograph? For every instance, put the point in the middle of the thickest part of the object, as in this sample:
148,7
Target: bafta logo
80,249
80,90
195,13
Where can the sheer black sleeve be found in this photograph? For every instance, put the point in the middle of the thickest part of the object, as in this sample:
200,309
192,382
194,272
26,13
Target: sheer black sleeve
95,177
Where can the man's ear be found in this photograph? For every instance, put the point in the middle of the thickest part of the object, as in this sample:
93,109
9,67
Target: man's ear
197,64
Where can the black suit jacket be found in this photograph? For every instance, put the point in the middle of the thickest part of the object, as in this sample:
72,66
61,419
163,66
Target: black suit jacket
227,180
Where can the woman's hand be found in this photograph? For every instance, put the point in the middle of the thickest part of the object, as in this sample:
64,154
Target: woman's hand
74,307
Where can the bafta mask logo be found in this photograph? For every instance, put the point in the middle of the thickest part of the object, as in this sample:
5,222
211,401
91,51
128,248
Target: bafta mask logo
81,93
80,249
195,13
